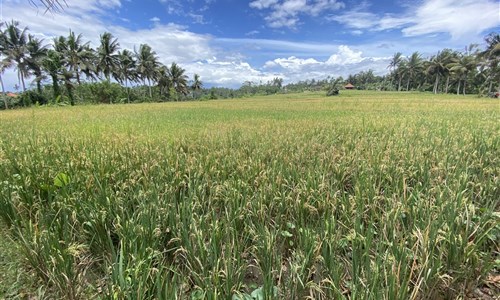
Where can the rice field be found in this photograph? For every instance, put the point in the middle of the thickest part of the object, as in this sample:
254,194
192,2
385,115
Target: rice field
368,195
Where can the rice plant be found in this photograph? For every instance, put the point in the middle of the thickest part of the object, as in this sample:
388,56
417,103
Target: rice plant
365,196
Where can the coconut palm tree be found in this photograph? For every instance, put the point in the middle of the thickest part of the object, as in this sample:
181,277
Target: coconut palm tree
107,58
395,61
164,81
67,75
446,56
436,66
126,69
4,65
147,65
77,54
401,71
490,60
14,48
89,66
36,53
461,67
414,68
197,84
53,65
178,79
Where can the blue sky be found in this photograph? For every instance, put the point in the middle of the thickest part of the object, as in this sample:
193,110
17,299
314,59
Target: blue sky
229,42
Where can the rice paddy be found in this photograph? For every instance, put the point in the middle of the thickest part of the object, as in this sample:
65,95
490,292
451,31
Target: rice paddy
369,195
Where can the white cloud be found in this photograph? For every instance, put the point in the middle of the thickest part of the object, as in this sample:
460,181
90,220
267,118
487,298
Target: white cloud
155,19
197,18
344,56
261,4
286,13
462,19
253,32
280,46
229,73
356,19
291,63
342,63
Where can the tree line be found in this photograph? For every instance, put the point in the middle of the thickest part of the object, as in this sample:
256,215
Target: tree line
68,59
470,71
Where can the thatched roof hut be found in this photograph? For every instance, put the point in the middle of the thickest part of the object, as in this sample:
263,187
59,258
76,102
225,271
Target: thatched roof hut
349,86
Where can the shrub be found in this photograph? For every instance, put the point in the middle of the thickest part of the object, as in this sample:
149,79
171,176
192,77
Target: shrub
31,97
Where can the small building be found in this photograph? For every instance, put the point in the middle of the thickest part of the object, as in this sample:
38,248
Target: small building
349,86
9,94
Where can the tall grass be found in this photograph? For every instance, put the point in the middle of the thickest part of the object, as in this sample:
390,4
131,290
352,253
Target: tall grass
364,196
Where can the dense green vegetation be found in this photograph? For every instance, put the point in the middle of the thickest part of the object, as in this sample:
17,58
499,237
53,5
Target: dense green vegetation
363,196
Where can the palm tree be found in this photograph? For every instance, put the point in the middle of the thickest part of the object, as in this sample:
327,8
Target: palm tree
36,53
53,65
164,80
107,59
490,64
446,57
126,69
147,65
178,79
414,67
77,54
461,67
14,48
395,61
402,71
4,65
66,75
437,66
89,66
197,84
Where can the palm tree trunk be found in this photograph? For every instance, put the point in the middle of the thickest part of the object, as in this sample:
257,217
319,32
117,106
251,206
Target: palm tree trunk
5,99
399,84
436,83
128,91
78,76
150,92
465,83
69,88
55,86
20,77
491,85
408,84
447,84
458,87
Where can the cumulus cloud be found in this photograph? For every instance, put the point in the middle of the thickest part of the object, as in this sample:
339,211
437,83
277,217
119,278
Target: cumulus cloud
291,63
342,63
229,73
286,13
